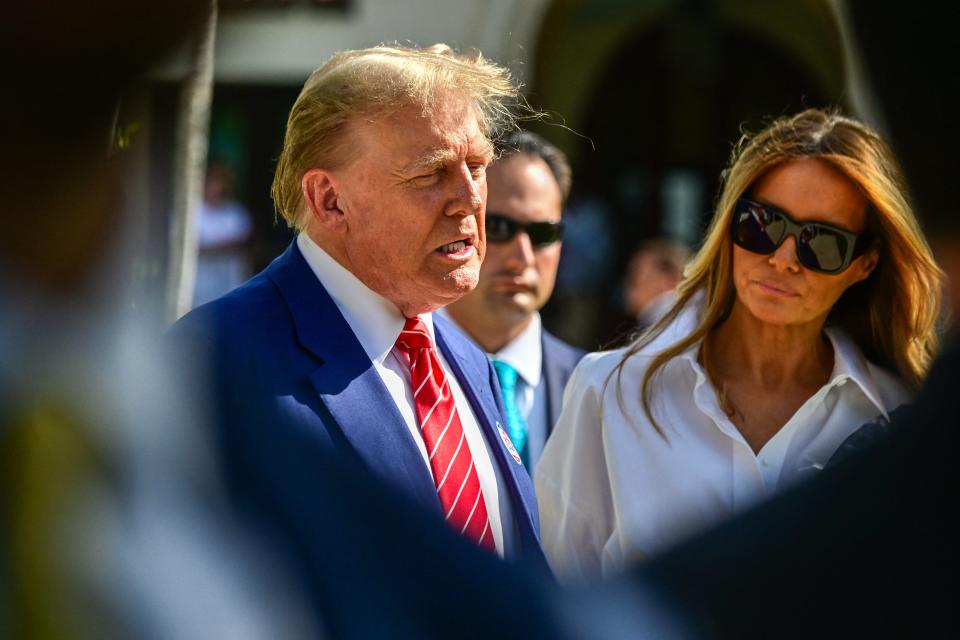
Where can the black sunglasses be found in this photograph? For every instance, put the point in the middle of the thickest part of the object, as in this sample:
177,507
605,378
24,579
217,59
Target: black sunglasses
762,228
500,228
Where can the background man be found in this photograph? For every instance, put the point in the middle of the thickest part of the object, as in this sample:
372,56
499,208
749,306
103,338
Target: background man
333,347
528,186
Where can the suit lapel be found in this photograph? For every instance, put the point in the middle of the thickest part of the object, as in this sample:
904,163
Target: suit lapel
348,384
465,366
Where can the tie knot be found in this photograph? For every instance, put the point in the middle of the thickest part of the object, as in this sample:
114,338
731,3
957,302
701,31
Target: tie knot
414,336
507,376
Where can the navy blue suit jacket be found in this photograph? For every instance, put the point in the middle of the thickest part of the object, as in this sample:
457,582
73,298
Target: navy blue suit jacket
559,360
289,378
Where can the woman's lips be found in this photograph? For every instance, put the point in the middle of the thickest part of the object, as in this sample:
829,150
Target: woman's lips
775,289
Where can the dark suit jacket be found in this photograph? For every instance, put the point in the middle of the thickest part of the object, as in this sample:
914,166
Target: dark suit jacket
559,360
291,389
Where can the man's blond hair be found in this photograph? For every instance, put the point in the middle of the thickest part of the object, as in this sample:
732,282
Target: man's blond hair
375,81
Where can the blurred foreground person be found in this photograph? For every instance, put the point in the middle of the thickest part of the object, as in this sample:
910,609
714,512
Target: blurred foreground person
650,284
528,186
114,520
809,311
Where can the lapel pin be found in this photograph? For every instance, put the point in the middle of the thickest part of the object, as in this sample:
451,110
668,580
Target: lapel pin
509,444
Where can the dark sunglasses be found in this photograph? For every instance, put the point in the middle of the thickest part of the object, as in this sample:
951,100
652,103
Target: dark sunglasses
762,228
500,228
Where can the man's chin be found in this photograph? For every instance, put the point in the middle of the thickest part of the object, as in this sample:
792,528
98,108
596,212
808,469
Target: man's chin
425,304
461,281
449,291
430,296
517,304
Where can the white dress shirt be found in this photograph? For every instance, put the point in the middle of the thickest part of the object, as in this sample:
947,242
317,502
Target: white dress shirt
377,323
612,490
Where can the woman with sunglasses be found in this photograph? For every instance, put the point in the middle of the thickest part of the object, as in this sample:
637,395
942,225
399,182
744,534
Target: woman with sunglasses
808,311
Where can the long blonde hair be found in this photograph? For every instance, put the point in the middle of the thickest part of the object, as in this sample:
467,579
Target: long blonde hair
891,315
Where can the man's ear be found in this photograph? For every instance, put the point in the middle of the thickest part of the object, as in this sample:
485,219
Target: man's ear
321,194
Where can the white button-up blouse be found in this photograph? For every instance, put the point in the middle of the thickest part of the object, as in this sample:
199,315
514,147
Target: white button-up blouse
611,489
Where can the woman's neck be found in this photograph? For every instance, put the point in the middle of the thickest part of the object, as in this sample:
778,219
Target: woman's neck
767,356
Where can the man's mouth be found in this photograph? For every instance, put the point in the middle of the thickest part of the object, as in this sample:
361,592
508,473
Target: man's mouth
454,247
512,284
458,249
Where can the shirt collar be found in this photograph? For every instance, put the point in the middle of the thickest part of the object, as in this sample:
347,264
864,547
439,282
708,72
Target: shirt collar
525,352
374,320
849,363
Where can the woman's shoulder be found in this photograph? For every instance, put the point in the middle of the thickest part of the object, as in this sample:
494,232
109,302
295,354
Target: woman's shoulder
596,367
599,361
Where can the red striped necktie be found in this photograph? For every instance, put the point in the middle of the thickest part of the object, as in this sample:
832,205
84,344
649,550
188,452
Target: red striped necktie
454,473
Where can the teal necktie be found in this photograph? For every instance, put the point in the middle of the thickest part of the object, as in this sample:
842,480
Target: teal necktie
516,425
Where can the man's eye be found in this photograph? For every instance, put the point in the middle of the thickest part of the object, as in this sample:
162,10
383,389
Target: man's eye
426,177
478,170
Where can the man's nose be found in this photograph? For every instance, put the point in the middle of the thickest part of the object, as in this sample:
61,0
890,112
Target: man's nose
468,193
785,257
520,251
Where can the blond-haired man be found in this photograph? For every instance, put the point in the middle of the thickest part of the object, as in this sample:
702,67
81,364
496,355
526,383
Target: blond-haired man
334,346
